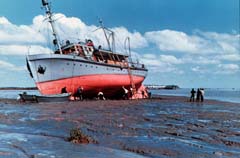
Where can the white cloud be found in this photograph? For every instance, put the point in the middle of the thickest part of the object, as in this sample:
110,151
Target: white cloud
226,43
167,59
8,66
196,69
170,59
23,34
227,69
198,43
137,40
152,62
4,21
199,48
150,56
168,40
206,51
201,60
199,70
23,49
229,57
71,28
161,63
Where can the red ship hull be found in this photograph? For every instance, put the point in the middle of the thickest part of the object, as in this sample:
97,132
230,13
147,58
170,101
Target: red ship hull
110,85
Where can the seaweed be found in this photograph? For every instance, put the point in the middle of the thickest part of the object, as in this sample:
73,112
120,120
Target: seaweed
78,137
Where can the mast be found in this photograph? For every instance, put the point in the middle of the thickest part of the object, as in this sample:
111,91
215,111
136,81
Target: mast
51,21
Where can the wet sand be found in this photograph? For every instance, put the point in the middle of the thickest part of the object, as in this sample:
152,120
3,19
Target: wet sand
164,126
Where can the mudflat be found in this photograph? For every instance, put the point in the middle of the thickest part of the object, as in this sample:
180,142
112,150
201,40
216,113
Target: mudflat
164,126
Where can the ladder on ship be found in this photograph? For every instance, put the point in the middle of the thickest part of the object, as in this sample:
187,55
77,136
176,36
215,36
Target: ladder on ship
129,66
131,80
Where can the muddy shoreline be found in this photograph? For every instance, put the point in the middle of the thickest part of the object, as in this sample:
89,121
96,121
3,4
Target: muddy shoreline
164,126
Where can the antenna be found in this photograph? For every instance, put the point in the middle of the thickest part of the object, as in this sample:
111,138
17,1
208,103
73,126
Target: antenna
100,21
29,47
49,14
104,31
44,2
108,35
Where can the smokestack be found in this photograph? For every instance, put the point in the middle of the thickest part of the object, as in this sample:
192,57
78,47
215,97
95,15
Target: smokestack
44,2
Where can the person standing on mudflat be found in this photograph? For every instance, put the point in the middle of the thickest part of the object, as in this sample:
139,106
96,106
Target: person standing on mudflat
198,95
202,94
192,95
64,90
125,95
79,93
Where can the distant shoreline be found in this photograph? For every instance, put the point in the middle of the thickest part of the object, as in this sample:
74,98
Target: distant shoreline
18,88
160,87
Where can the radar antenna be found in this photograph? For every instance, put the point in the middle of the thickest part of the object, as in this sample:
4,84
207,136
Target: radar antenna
108,35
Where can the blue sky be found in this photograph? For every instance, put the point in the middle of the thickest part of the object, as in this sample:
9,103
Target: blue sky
192,43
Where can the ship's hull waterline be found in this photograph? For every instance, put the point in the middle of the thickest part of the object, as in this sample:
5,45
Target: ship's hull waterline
52,72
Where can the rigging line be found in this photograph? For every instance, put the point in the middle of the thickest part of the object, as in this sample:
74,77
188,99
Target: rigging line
120,42
48,37
73,68
121,45
37,31
120,48
127,41
40,26
72,38
41,30
50,46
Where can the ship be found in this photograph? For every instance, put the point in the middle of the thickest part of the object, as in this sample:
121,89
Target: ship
82,64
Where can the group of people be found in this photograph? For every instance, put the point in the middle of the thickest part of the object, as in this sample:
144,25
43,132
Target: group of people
77,96
129,94
124,94
200,95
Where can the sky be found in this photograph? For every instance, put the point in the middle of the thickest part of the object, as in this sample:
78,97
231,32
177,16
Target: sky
190,43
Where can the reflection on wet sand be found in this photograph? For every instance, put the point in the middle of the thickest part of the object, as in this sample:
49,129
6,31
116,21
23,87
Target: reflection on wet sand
160,127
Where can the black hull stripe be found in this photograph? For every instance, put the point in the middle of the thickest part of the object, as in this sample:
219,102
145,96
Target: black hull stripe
90,62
